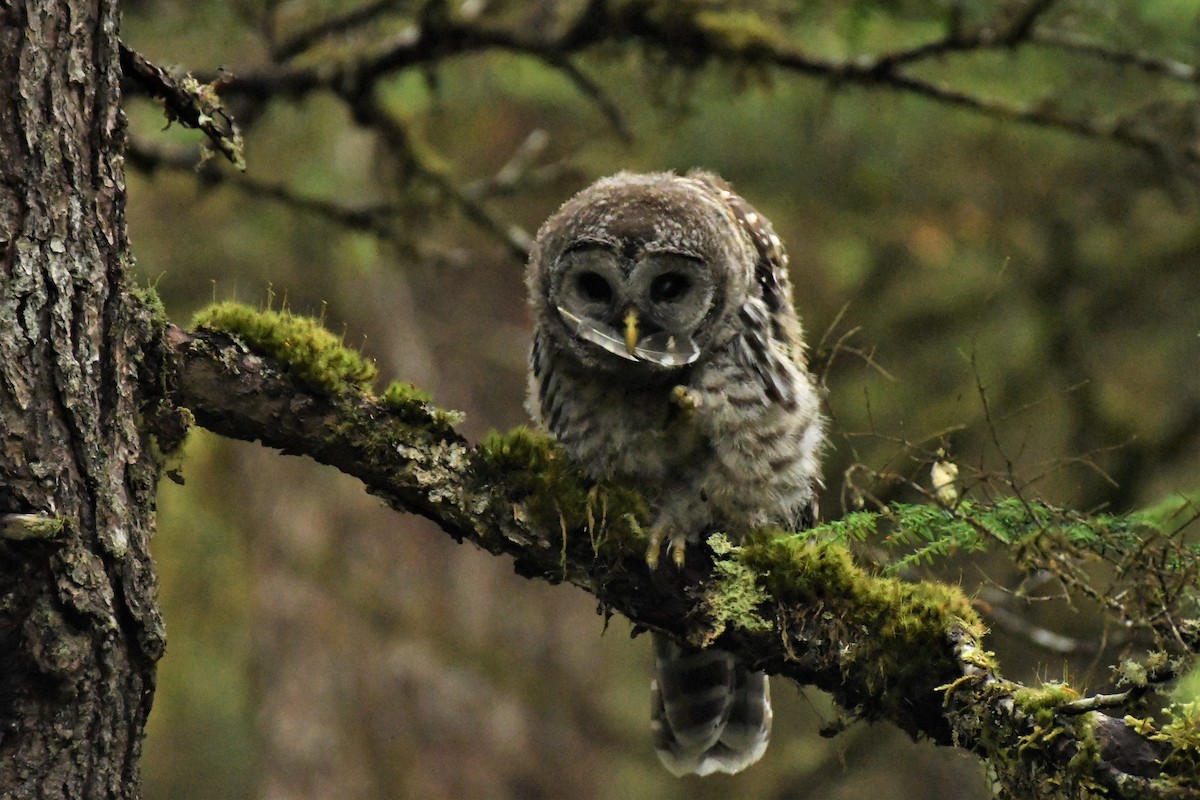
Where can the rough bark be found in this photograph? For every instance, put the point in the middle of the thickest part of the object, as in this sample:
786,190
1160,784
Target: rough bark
79,629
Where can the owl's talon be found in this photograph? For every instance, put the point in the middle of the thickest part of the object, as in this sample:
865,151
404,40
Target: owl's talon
678,551
654,549
685,399
676,543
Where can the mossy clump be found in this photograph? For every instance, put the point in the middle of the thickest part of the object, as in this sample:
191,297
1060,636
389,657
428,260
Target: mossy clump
147,298
309,351
1022,770
399,395
1182,732
406,398
1041,703
893,622
520,450
1047,697
547,488
735,595
20,527
799,568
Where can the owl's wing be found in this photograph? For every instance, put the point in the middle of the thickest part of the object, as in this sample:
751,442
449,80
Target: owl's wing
770,270
760,359
771,344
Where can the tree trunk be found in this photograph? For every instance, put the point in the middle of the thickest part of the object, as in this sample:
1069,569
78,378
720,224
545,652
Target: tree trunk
80,631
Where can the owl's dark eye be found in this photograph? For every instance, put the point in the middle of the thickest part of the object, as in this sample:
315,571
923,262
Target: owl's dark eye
594,287
667,287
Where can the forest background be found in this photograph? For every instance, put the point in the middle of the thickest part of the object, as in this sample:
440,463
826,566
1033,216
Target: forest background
1017,298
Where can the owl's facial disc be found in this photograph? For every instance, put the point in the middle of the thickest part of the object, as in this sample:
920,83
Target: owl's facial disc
641,305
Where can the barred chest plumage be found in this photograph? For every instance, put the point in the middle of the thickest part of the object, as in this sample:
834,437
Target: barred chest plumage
704,440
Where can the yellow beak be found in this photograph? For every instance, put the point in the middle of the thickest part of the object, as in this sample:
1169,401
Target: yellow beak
631,330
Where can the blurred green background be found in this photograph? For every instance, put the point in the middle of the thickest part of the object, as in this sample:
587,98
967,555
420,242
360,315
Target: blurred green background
321,645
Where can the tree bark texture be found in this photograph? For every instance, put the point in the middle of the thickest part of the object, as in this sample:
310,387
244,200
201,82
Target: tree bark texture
79,628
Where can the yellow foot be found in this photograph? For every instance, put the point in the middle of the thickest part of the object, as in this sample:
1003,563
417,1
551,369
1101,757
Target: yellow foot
676,542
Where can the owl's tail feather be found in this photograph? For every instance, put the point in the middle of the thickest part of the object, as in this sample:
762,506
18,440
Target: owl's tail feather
709,712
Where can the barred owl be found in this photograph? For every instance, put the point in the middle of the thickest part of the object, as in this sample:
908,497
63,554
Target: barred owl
667,352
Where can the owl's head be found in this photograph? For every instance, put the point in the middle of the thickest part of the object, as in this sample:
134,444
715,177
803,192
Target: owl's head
640,270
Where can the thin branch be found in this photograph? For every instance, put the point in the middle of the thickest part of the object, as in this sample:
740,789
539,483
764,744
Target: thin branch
1052,641
519,172
1154,677
308,38
377,219
1124,132
594,92
1147,62
371,114
1023,22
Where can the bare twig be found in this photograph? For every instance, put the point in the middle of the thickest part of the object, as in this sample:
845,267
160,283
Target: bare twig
370,113
378,219
1117,699
1147,62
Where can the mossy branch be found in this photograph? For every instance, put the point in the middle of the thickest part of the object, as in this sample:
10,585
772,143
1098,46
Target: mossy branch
795,605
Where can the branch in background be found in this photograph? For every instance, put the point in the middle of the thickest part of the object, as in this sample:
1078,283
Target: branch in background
910,653
369,113
1155,65
188,101
1024,19
693,36
377,219
594,92
308,38
519,172
994,606
685,35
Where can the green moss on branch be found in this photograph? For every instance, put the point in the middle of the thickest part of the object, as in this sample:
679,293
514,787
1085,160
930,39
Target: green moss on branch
309,351
550,494
318,357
